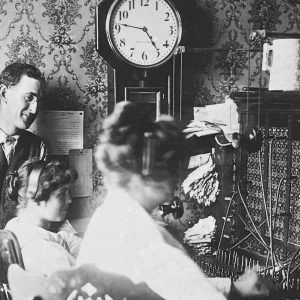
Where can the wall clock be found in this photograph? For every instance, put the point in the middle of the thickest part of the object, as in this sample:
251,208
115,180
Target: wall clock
138,33
143,33
152,61
139,39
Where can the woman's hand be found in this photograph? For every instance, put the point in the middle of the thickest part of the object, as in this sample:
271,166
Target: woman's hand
251,284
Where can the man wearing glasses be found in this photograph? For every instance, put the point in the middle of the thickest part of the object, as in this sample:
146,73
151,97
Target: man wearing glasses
21,87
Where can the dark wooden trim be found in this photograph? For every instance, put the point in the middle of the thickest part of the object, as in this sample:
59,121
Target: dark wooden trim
111,98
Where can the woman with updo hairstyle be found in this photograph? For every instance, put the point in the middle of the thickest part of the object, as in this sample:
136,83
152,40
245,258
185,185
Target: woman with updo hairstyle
42,190
140,160
135,152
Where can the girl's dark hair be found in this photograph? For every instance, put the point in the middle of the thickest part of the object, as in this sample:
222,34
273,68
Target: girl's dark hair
122,142
52,175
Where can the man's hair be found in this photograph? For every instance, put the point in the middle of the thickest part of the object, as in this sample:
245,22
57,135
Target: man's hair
12,73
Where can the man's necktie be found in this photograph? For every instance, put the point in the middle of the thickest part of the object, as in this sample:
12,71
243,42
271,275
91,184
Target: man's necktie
9,147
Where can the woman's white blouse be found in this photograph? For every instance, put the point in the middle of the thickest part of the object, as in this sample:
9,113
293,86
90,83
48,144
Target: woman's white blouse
122,238
43,251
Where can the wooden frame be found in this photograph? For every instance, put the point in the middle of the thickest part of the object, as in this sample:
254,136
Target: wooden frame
149,98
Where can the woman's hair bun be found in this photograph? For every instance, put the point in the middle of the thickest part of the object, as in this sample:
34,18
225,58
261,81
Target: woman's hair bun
122,141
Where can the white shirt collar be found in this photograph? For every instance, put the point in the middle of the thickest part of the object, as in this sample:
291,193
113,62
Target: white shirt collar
3,136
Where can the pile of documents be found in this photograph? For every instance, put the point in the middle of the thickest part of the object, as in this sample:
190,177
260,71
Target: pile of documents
201,128
200,236
224,115
202,184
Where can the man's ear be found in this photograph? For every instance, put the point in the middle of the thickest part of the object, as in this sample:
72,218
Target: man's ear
3,90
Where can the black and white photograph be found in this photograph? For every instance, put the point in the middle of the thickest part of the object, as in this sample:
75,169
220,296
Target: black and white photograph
149,149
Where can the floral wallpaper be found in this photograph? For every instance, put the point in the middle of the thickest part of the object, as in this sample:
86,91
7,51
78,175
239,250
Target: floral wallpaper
58,37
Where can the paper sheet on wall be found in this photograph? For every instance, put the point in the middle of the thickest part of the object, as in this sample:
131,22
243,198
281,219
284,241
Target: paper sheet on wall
61,130
81,161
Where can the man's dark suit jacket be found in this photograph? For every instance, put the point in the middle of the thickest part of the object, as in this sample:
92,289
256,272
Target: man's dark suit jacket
28,146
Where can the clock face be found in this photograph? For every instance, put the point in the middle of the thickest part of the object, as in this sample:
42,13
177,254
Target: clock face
144,33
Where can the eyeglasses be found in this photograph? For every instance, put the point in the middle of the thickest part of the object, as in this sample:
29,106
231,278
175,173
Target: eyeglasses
30,99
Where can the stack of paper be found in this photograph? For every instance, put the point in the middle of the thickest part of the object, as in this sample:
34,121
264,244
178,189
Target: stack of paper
201,128
200,236
203,183
223,114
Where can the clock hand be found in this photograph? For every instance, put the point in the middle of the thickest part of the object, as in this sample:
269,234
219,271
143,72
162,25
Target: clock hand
145,30
127,25
150,37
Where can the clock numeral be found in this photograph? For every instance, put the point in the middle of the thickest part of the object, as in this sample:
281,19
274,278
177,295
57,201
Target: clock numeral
144,56
144,2
156,5
166,44
123,14
158,53
171,30
122,42
132,50
167,17
131,4
117,28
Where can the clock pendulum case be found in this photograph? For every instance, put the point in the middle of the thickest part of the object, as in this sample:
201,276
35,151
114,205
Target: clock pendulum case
139,39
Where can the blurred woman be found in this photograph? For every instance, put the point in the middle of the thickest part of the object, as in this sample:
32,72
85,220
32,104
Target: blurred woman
140,162
42,189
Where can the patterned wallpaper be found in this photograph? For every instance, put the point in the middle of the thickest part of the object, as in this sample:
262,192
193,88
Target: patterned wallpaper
58,37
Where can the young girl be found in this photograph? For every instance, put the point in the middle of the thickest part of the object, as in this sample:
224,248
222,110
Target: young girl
42,189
